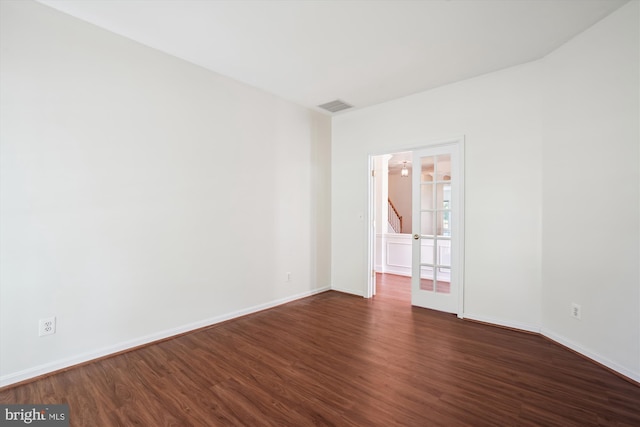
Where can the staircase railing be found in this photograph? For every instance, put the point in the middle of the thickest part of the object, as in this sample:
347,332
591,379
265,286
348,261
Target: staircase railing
395,219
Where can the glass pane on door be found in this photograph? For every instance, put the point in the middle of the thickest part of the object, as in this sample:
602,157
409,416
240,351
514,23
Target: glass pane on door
427,224
444,280
443,167
427,168
444,253
442,196
426,284
426,196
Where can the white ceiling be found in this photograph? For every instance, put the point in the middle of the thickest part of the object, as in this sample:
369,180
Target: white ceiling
363,52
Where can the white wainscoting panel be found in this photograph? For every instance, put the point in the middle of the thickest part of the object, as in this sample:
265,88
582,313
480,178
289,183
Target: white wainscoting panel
393,255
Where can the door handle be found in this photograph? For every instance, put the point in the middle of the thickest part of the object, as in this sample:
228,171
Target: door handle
416,236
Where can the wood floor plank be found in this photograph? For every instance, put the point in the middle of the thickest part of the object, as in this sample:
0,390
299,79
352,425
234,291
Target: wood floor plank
340,360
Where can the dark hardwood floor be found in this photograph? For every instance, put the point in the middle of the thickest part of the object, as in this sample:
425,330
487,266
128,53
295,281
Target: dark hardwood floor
336,359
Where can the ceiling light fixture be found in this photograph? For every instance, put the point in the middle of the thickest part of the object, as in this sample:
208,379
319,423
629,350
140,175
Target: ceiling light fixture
404,172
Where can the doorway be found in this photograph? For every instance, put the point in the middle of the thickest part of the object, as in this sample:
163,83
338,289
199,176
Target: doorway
417,225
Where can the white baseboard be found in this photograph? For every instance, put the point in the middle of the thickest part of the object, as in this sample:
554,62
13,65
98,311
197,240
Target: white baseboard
635,376
57,365
106,351
505,323
398,271
348,291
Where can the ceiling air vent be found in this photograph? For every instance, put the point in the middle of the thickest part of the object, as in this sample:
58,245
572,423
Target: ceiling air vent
335,106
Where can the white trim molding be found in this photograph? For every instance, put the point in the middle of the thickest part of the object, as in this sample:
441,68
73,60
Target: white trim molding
503,323
355,292
635,376
558,339
57,365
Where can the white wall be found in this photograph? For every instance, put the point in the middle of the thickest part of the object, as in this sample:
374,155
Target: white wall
552,188
142,195
591,192
498,114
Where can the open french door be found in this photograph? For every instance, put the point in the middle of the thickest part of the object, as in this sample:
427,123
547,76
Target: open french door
437,199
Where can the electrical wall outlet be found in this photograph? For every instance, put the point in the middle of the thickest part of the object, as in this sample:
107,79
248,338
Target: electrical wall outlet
576,311
47,326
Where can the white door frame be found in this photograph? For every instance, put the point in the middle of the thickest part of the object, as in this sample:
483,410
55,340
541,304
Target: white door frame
370,230
370,291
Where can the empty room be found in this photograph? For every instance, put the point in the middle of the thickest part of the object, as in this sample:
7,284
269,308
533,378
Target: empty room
348,213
